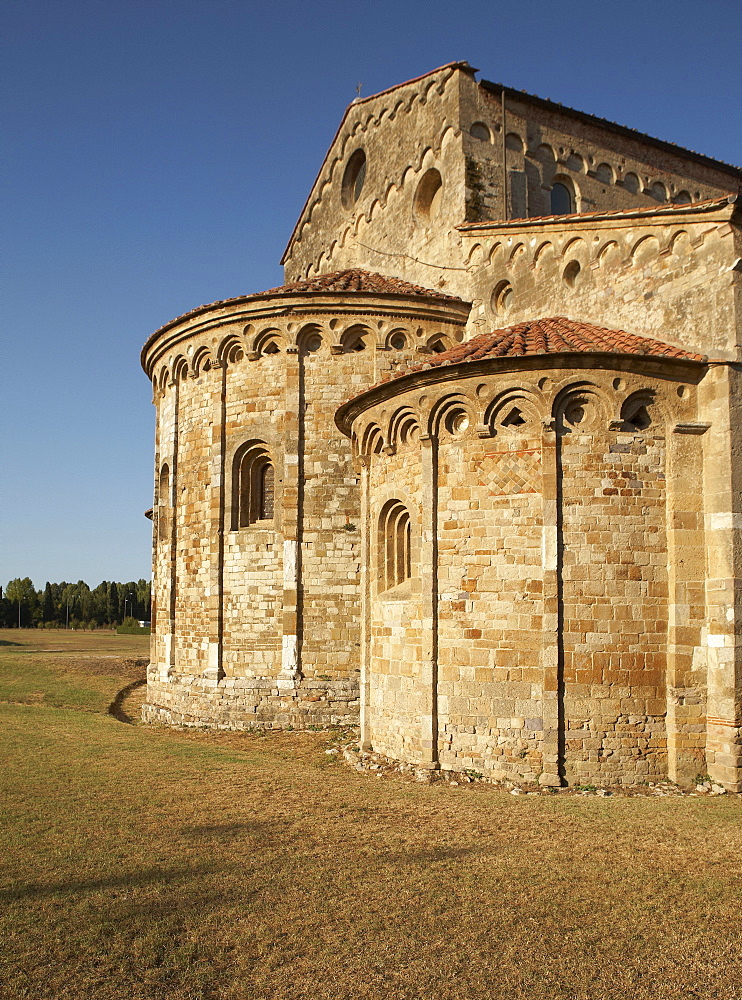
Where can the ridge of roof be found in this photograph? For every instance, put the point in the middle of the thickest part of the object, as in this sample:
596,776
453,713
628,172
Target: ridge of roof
637,212
353,281
624,130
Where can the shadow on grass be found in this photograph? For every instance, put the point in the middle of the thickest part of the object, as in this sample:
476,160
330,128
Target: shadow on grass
7,642
146,877
116,708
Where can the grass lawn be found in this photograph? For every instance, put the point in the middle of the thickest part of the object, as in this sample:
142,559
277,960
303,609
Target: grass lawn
142,863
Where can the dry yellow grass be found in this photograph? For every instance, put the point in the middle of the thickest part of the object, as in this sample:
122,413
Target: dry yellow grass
142,863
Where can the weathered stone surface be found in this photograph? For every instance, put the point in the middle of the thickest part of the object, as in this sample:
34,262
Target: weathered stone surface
560,598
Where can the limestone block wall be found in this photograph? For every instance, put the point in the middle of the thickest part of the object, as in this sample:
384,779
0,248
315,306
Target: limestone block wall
659,276
437,153
403,134
571,598
258,622
490,611
397,622
605,167
614,598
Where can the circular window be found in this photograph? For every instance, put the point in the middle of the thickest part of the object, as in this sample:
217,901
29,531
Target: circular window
312,343
456,422
480,131
353,179
502,297
571,273
398,341
428,195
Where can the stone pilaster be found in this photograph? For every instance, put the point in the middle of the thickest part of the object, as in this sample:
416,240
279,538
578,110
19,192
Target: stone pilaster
723,524
551,652
686,660
429,601
362,465
291,508
215,598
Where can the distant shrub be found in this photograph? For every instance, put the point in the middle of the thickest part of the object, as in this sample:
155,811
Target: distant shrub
130,626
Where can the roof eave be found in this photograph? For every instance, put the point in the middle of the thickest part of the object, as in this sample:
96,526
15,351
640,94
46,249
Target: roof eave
347,412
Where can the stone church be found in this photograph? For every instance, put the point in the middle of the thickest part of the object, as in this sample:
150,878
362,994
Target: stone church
471,477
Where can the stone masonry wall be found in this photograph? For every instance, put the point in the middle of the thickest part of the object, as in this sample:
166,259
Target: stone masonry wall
265,625
560,652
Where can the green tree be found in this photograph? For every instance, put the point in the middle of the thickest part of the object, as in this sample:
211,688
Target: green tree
21,594
48,607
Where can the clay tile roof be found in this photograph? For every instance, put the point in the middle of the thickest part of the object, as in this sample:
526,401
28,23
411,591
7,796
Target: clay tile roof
336,282
686,208
356,280
557,335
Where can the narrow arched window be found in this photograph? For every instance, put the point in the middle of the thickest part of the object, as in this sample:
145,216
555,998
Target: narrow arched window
163,503
395,557
265,491
562,202
253,485
163,487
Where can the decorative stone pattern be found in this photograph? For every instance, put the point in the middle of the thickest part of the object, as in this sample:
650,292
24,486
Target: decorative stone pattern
258,625
552,602
549,404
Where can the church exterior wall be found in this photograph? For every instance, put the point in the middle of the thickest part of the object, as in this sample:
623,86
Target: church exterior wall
257,625
568,573
426,125
660,276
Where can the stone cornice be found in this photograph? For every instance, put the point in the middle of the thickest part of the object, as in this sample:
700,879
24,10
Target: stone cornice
658,367
303,308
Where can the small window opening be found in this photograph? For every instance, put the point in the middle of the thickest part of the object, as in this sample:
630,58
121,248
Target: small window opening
398,342
438,345
395,562
427,201
514,418
562,202
253,486
353,179
571,273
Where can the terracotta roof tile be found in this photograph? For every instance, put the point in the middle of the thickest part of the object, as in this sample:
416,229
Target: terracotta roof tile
356,280
556,335
353,280
639,210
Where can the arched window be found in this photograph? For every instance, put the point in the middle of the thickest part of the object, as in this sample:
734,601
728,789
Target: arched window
253,485
395,563
163,487
163,503
562,202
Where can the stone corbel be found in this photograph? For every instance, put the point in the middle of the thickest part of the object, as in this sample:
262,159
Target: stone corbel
691,427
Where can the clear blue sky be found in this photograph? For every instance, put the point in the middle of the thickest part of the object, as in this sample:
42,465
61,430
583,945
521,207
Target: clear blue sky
157,154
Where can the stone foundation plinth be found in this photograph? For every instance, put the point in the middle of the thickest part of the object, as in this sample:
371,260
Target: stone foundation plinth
251,703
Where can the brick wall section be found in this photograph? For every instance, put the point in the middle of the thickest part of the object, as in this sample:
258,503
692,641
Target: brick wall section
561,654
261,637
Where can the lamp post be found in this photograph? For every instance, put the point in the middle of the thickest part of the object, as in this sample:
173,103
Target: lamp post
130,599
